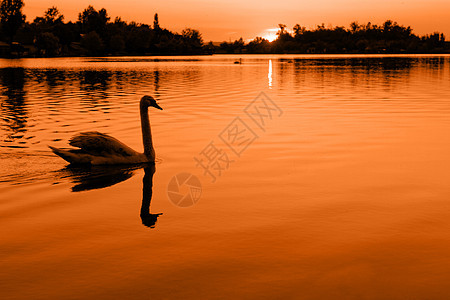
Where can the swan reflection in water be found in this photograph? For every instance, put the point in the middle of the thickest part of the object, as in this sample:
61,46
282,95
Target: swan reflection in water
98,177
147,218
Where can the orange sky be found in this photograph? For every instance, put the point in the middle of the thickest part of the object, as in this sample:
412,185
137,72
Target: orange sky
220,20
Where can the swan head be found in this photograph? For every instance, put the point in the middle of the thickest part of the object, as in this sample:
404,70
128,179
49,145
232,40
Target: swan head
148,101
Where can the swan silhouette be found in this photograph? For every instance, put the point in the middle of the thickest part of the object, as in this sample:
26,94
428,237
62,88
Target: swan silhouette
95,148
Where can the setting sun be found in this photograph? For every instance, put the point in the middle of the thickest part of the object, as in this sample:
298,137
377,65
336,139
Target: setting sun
270,34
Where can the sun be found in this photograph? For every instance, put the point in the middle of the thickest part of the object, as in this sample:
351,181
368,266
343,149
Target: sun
270,37
270,34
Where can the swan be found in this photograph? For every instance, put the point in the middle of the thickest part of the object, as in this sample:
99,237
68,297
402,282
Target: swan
95,148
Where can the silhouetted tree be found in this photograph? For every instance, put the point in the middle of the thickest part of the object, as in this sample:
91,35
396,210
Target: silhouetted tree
298,30
193,41
238,45
117,43
156,22
138,38
11,17
92,43
209,48
60,35
282,29
48,44
93,20
53,16
258,45
354,27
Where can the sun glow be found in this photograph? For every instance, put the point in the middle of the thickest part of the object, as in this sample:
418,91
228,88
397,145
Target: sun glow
270,34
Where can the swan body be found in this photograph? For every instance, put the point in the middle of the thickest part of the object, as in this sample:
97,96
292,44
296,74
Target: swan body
95,148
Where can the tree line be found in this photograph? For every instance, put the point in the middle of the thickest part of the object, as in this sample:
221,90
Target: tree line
390,37
95,34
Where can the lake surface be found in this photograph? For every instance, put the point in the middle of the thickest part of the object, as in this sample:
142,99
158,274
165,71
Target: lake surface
319,177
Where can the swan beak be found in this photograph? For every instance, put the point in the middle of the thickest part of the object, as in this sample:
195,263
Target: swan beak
157,106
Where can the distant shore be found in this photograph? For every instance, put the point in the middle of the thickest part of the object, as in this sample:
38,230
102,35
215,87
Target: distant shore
94,34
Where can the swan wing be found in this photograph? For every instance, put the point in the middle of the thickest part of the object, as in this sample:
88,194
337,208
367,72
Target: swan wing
96,143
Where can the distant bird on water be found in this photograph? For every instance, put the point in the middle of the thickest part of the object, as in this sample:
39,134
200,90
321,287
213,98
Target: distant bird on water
95,148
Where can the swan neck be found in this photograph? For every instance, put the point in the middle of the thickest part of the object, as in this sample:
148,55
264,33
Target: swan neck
147,134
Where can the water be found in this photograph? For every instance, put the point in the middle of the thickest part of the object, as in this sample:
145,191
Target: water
342,193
